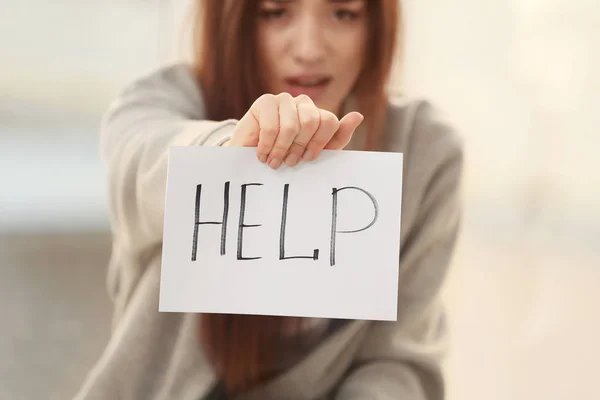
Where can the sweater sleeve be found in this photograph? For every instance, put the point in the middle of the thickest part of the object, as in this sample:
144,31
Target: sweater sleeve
156,112
402,359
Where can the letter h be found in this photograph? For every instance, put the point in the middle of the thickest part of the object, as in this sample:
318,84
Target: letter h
223,222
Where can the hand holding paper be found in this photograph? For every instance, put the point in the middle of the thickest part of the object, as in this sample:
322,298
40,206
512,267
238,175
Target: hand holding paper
289,129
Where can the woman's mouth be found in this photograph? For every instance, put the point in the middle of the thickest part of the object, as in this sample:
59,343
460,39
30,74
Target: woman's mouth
311,86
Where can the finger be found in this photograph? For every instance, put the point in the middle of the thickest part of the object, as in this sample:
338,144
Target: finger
327,128
246,132
310,120
289,126
348,125
265,110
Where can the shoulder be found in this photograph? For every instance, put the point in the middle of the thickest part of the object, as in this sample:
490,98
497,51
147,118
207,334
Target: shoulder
179,75
417,127
432,152
173,86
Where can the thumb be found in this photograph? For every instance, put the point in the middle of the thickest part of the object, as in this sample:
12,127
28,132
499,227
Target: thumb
342,136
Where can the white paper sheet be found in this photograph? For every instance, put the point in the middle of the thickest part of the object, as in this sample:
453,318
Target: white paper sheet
252,270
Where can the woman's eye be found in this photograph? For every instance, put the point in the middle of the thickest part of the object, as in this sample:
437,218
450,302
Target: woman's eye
273,13
346,15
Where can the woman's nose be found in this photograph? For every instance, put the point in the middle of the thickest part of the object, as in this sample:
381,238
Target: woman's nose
309,42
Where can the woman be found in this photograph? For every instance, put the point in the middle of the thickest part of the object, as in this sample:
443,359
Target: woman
289,78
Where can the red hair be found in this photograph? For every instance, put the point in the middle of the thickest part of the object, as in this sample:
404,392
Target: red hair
243,349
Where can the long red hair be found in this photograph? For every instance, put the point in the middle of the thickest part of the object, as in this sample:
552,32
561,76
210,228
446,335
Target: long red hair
243,349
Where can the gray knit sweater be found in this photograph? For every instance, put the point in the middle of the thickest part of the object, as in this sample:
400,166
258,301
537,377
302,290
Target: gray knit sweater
155,356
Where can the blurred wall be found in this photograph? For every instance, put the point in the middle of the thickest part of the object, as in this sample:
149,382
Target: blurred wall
62,62
520,80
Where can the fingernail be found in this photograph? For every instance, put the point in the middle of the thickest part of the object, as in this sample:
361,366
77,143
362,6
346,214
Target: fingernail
275,163
292,160
262,158
307,155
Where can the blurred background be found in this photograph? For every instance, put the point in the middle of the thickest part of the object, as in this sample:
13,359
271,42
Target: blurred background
519,78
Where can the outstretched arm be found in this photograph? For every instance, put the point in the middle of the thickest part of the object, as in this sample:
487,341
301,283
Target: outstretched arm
156,112
162,110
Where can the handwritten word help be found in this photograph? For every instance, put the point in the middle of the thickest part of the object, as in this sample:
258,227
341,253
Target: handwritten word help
320,240
242,225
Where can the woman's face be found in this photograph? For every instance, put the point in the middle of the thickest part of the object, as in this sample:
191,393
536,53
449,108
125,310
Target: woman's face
313,47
